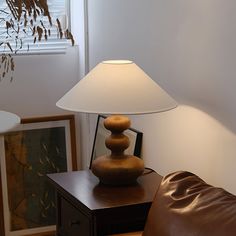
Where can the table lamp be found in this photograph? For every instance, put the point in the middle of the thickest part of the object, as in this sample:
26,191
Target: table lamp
8,121
117,88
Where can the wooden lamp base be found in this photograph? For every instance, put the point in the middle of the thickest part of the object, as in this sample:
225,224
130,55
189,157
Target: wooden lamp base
117,168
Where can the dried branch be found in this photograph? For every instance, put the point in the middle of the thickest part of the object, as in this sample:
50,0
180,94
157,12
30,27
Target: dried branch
7,66
24,18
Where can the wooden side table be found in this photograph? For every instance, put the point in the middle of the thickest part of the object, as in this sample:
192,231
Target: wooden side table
86,208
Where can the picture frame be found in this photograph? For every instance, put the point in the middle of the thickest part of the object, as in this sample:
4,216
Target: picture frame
101,133
35,148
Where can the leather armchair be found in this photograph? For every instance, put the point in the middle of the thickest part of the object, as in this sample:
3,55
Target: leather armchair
185,205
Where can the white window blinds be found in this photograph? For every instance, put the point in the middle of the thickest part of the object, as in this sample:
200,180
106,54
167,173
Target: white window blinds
21,38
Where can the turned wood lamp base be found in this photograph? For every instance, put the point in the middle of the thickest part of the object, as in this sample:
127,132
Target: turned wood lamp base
117,168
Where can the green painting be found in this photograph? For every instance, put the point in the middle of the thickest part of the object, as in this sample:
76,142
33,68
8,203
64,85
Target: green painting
29,156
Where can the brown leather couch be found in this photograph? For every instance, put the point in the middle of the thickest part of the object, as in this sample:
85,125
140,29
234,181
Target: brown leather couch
185,205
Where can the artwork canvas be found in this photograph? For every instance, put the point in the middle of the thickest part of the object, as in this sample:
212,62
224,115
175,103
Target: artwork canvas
99,147
36,148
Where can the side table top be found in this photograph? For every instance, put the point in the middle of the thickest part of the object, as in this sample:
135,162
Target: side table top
85,187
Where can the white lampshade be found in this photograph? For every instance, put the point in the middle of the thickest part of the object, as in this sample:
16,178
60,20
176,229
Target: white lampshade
8,121
117,87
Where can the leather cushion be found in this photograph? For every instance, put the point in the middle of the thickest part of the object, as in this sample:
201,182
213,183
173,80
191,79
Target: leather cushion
185,205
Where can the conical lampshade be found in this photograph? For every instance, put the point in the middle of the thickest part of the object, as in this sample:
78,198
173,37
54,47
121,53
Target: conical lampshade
117,87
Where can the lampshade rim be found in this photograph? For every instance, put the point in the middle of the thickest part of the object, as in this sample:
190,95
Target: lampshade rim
117,112
12,121
117,62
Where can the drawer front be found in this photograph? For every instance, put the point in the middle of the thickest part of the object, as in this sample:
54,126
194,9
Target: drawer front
71,221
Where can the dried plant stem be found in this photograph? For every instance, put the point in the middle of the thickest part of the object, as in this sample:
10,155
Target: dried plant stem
21,18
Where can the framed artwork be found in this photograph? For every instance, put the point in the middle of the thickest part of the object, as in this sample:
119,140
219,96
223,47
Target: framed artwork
99,147
37,147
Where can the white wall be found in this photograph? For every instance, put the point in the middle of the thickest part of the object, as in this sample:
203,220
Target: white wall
38,82
187,47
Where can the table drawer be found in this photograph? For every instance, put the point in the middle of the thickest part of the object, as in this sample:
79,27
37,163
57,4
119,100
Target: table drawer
71,221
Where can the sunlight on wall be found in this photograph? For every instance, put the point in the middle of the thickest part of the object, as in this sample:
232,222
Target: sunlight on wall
189,139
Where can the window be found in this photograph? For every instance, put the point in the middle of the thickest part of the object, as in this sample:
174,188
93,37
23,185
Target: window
21,39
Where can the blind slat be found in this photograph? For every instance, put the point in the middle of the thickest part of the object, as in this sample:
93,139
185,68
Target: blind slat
53,44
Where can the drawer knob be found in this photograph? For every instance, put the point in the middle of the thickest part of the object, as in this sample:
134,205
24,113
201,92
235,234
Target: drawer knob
74,222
